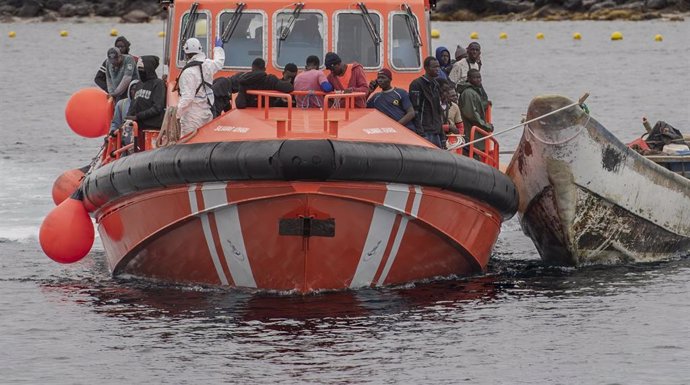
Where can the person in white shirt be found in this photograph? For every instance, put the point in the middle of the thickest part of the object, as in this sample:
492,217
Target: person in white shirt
194,85
473,61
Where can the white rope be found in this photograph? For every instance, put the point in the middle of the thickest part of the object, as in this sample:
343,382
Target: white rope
577,103
579,131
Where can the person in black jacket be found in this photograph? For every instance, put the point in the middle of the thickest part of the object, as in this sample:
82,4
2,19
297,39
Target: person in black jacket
258,79
148,106
122,44
425,95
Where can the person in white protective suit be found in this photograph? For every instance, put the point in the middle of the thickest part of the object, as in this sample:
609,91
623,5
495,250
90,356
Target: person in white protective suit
194,85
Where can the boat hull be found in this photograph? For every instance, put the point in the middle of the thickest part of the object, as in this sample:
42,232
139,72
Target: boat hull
297,236
586,198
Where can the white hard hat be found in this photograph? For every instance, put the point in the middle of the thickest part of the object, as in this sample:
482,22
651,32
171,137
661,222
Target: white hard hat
192,45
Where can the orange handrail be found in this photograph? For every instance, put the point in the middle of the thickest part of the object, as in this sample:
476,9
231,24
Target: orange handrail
114,148
490,155
349,103
263,102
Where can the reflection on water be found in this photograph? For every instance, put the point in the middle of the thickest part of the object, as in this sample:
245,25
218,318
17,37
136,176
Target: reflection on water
506,280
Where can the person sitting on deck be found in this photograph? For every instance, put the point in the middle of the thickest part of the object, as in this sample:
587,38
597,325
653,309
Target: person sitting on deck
474,102
347,77
148,106
194,87
312,79
120,70
120,112
258,79
289,74
425,96
393,102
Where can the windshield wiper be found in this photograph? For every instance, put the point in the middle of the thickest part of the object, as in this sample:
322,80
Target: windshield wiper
295,14
371,26
191,21
412,26
230,28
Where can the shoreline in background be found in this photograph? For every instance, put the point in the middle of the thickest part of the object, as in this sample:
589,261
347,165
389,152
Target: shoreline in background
144,11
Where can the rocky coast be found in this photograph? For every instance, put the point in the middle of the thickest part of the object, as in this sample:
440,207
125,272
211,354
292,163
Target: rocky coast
141,11
471,10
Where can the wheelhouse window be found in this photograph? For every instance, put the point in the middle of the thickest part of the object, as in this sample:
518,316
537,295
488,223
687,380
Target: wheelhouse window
246,37
405,46
196,26
358,38
298,34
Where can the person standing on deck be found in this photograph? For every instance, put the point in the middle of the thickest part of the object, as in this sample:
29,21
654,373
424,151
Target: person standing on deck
347,77
393,102
473,61
473,105
425,95
120,70
312,79
443,57
194,85
122,44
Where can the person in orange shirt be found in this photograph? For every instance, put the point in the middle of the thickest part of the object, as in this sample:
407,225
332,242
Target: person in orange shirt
347,77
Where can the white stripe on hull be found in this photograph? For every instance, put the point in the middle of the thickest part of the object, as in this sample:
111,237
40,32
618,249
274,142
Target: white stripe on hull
205,225
399,235
230,234
379,233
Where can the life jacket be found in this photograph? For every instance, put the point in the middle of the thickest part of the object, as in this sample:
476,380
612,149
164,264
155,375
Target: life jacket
190,64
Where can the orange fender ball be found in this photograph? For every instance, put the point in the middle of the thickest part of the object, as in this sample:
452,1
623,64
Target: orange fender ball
66,184
89,112
67,233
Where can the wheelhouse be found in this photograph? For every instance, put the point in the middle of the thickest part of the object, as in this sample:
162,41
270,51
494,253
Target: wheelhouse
376,34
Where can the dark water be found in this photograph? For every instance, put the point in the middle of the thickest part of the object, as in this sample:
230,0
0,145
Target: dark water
521,323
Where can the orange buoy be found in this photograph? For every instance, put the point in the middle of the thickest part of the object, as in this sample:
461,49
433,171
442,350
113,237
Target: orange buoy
89,112
67,183
67,234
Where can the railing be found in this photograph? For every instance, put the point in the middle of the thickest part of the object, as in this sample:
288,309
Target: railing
330,126
490,153
113,148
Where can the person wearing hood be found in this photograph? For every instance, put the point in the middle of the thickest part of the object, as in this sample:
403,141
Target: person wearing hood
194,85
122,107
123,45
120,70
443,57
258,79
473,105
347,77
473,61
148,106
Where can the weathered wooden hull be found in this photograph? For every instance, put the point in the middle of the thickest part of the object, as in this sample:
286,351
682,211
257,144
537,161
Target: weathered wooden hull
586,198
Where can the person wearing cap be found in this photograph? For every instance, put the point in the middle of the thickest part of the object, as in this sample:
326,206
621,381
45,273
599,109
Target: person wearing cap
425,96
123,45
460,53
393,102
194,84
347,77
120,70
312,79
473,60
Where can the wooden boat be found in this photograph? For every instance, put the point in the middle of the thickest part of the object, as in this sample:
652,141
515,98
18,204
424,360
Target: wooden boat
295,199
587,198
